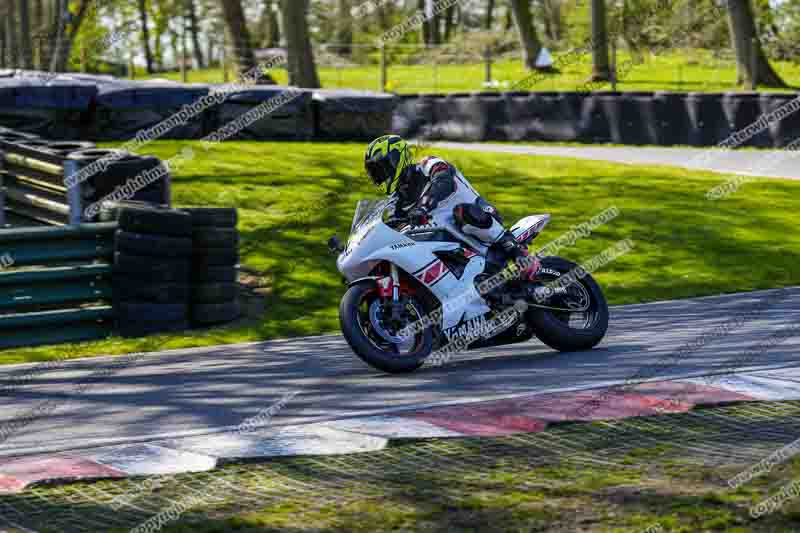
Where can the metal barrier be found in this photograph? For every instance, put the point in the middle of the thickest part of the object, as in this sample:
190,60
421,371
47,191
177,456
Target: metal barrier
55,284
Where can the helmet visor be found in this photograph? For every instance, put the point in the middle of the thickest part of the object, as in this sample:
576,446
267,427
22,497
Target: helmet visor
380,170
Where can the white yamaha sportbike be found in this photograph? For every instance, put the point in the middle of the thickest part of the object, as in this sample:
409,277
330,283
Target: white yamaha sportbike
416,289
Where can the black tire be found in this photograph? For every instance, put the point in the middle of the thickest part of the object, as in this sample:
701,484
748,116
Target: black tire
109,211
215,313
150,268
156,221
152,245
150,313
555,332
143,329
364,348
224,274
204,258
215,238
214,293
213,217
129,289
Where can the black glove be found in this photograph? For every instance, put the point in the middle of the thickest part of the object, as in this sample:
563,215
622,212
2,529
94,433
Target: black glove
418,216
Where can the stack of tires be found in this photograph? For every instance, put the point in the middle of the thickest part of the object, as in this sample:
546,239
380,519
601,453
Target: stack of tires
153,251
215,259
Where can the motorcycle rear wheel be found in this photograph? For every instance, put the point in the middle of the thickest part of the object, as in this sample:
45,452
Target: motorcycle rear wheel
554,328
358,328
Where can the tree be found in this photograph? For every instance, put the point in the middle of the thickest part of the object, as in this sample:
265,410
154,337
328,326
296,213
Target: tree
344,28
68,28
301,66
25,48
489,20
148,53
752,65
39,29
601,70
194,28
270,29
11,35
531,45
239,35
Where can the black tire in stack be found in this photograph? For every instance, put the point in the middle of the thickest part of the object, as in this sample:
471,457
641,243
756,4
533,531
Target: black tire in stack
214,292
153,250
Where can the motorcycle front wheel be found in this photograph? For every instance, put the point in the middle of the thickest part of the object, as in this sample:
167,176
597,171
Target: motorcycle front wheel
374,334
567,331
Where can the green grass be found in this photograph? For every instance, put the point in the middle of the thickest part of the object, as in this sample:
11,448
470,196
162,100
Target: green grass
611,476
292,197
681,70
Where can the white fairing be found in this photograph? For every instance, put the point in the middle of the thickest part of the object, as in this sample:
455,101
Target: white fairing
374,242
529,227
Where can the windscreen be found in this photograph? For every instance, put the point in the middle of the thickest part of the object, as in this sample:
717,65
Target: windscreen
366,210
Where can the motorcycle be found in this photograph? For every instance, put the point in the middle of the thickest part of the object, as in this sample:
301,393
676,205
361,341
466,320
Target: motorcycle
416,290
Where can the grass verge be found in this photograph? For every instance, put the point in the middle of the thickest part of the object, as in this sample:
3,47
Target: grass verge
293,196
667,473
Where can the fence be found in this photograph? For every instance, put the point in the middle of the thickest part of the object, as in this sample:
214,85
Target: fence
55,284
411,68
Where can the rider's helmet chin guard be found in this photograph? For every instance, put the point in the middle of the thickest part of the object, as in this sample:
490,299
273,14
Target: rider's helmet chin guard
386,159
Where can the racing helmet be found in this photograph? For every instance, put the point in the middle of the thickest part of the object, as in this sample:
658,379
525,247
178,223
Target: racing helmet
386,159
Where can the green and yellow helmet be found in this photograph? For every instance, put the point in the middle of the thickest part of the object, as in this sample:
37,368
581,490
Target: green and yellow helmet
386,159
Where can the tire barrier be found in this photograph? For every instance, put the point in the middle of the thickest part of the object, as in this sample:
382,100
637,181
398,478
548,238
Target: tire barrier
293,120
413,116
58,285
42,106
124,109
599,116
35,179
785,131
352,115
743,110
214,293
152,265
638,119
671,118
634,118
708,124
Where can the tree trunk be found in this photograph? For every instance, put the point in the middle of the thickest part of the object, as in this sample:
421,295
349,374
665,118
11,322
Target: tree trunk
39,29
2,46
344,28
148,53
435,23
25,48
302,70
272,31
240,36
68,37
527,33
194,28
449,22
601,71
56,36
425,34
489,20
746,44
13,38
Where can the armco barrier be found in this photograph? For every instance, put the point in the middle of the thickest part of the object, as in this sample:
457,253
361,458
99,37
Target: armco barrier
34,174
56,284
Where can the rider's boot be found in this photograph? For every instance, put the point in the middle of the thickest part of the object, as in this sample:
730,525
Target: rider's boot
527,264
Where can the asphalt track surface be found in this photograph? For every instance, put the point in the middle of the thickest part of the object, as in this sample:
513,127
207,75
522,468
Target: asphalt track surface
768,163
202,391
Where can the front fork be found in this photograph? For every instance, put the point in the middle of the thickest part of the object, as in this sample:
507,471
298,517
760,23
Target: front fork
389,287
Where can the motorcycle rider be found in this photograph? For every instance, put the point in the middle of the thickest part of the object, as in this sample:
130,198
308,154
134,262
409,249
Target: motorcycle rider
434,184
